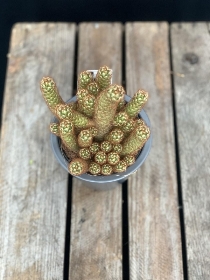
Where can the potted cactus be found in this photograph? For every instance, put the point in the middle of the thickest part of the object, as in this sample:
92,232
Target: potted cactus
101,134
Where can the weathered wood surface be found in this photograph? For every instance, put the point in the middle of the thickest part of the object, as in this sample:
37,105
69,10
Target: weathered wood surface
191,66
33,187
154,231
96,238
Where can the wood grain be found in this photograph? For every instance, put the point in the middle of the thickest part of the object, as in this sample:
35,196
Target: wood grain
154,230
191,67
33,187
96,241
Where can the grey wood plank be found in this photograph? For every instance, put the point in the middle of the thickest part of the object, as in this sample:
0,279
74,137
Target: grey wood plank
154,230
96,237
33,187
191,67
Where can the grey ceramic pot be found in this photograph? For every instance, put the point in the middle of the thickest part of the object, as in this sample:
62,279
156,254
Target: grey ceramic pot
104,182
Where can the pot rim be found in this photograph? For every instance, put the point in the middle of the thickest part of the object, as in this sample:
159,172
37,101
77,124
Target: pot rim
102,178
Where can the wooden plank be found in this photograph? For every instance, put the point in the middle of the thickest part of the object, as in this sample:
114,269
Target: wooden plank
96,242
154,230
191,67
33,187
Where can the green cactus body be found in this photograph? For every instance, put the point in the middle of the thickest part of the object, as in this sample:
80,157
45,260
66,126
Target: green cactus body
129,159
106,169
120,166
93,89
128,126
104,77
70,155
139,122
115,136
113,158
120,119
135,141
105,109
100,157
94,168
93,130
81,93
94,148
85,138
63,111
85,153
68,136
50,93
117,148
136,103
84,79
78,166
121,105
87,105
80,121
54,128
106,146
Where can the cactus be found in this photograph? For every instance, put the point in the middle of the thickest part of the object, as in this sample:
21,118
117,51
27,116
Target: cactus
68,136
136,103
100,133
50,93
103,77
78,166
55,128
106,169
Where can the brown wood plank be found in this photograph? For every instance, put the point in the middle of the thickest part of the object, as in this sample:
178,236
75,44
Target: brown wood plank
33,187
154,230
191,67
96,242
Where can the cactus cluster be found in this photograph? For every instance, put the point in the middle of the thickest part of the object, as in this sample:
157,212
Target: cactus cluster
100,133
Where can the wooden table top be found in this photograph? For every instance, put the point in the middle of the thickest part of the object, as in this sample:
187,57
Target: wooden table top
157,225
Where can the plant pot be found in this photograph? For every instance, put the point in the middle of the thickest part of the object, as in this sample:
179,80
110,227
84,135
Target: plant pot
104,182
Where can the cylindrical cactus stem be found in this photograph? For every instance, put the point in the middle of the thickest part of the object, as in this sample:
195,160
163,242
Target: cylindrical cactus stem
120,166
93,89
106,169
94,168
106,146
86,105
115,136
85,153
120,119
136,103
129,159
128,126
85,138
139,122
50,93
121,105
105,109
113,158
63,111
100,157
68,136
70,155
93,130
117,148
81,93
78,166
94,148
135,141
104,77
79,120
55,129
84,79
